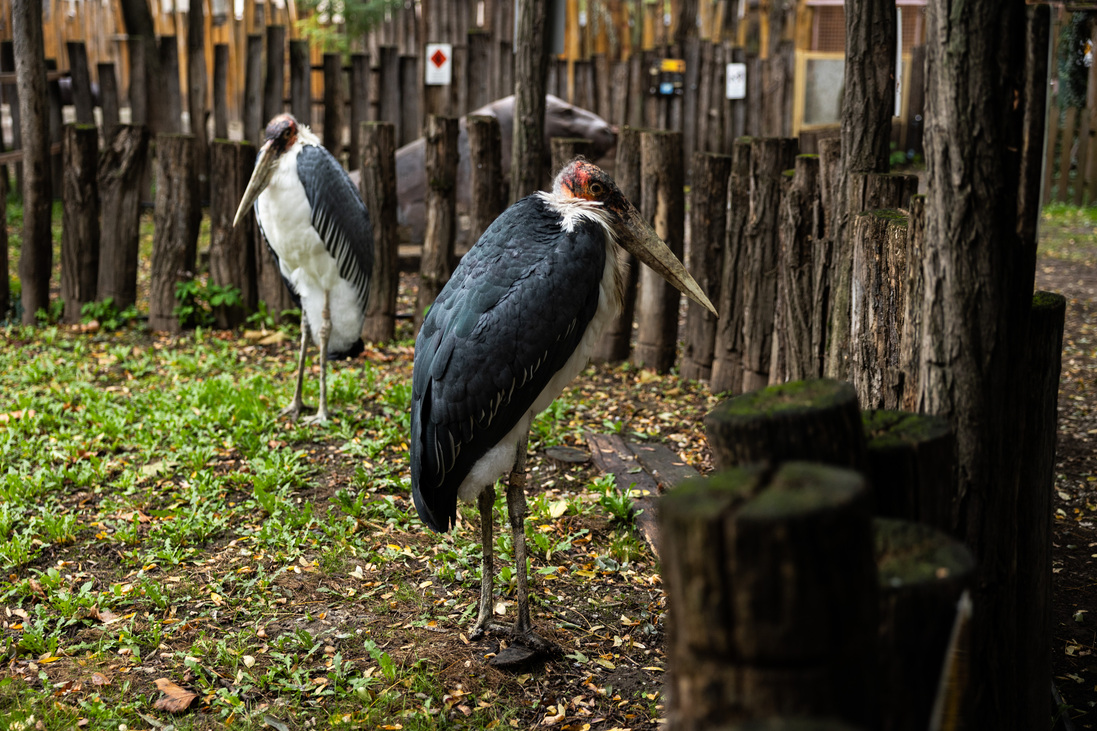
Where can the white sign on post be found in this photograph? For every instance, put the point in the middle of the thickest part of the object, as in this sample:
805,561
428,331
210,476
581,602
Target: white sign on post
736,81
439,64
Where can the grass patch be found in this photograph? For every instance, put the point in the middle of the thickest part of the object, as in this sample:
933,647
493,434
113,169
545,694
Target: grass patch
1069,232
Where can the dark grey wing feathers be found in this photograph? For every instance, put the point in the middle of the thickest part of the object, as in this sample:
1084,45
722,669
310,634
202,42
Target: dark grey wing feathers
339,216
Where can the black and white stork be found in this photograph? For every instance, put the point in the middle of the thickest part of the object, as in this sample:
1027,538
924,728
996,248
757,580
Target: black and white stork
515,323
319,232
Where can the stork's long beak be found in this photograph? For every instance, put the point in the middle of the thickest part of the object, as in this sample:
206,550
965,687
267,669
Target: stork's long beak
641,241
260,177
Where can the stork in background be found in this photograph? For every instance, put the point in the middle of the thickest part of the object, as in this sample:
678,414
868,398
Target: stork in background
515,323
319,232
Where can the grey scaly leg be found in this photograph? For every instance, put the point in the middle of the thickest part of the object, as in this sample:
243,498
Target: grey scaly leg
486,502
321,415
295,406
516,511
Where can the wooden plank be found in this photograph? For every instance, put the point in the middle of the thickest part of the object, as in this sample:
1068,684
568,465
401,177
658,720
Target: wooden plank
666,466
614,457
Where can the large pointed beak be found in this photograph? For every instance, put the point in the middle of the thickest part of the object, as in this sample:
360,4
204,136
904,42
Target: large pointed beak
260,177
642,242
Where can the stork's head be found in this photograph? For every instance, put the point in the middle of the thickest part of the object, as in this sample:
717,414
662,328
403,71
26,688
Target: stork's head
280,136
582,180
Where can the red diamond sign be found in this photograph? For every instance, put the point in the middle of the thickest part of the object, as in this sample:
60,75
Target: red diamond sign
439,69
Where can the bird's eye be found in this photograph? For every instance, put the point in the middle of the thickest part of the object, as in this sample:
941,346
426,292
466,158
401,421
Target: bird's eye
597,189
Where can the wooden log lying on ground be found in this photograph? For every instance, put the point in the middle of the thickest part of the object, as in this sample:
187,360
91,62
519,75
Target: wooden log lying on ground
771,594
922,574
80,219
121,170
378,189
911,467
804,420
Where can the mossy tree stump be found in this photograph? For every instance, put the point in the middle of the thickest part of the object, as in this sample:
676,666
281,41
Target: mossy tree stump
912,467
816,420
922,573
771,592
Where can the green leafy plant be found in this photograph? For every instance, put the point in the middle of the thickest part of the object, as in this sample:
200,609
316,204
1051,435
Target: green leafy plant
107,314
198,300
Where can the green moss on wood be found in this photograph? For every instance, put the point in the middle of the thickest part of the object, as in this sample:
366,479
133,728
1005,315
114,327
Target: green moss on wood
892,429
1042,300
712,495
910,553
804,487
791,397
807,156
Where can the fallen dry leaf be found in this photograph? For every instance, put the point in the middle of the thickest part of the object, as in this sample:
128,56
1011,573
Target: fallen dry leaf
176,699
99,679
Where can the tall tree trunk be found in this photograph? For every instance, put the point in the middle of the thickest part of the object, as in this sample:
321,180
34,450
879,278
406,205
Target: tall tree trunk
138,21
530,75
36,255
197,83
979,268
867,106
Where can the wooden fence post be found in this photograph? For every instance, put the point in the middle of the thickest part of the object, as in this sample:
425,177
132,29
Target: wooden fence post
175,240
441,226
771,594
663,205
359,105
617,340
300,80
254,122
378,188
80,76
197,91
486,179
818,421
231,255
480,80
170,117
910,340
220,91
708,229
566,149
108,96
389,82
11,96
333,103
1034,507
911,467
274,85
922,574
121,171
411,99
799,233
769,159
727,361
137,93
80,219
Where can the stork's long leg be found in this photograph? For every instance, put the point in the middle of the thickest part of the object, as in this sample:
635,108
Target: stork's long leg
295,406
486,502
321,415
516,512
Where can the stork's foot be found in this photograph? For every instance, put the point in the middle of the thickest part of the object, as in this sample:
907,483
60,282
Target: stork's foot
294,410
320,417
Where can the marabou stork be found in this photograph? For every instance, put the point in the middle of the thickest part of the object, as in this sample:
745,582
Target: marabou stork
319,232
515,323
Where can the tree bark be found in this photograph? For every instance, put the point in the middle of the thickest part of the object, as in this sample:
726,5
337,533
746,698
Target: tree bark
359,106
485,173
36,253
121,170
197,86
817,421
769,159
231,255
108,95
708,229
867,106
253,91
81,82
146,99
410,99
771,589
727,362
389,80
300,80
378,188
566,149
617,340
978,287
441,226
169,113
274,84
333,103
910,348
664,206
220,91
80,219
530,76
175,238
